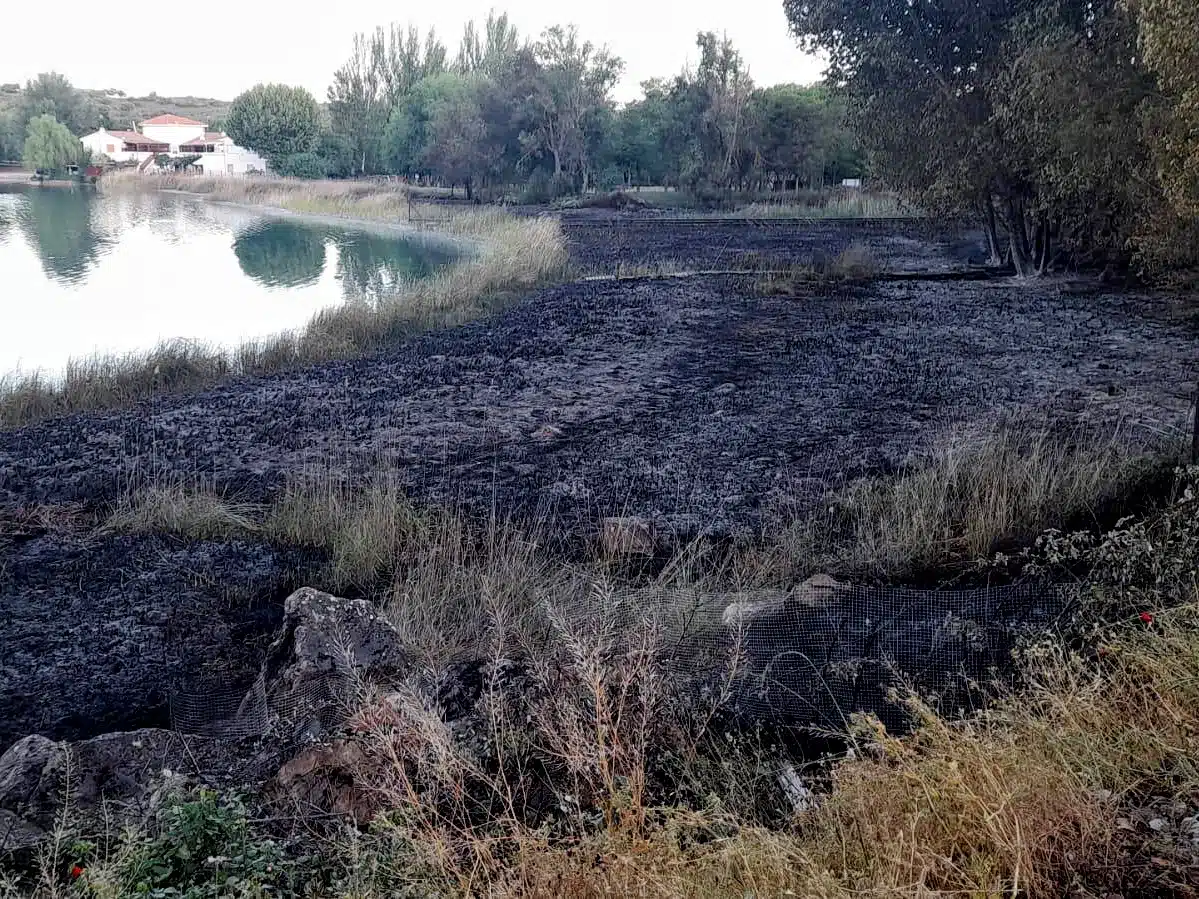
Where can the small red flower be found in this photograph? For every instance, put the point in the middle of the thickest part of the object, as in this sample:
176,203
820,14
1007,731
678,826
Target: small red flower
1147,617
76,872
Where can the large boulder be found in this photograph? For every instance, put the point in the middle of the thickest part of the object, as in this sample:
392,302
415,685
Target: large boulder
117,775
329,652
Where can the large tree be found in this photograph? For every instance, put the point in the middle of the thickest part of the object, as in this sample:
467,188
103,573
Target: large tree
275,120
1169,37
49,146
575,85
942,96
381,71
52,94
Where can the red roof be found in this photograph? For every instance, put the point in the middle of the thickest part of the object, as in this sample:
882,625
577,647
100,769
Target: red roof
169,119
133,137
210,137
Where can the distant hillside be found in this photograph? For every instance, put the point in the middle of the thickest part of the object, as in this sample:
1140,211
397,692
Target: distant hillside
120,111
115,110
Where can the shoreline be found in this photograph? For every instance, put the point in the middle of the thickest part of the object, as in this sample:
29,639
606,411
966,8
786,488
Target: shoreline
398,230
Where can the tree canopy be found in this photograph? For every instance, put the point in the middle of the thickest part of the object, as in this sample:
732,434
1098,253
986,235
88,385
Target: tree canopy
1029,113
276,121
49,146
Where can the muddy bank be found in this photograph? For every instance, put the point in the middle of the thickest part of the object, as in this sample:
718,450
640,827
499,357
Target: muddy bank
693,401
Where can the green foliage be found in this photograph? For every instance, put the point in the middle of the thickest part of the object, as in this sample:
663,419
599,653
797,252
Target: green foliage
301,165
275,120
53,95
49,146
204,848
11,140
1039,116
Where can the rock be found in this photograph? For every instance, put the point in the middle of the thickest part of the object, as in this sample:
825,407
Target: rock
111,779
327,652
627,536
743,607
329,778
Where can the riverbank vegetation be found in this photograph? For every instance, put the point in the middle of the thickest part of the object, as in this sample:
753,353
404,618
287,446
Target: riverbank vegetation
1083,781
1093,166
507,255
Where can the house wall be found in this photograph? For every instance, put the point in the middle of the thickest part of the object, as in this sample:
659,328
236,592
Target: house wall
230,159
100,141
173,134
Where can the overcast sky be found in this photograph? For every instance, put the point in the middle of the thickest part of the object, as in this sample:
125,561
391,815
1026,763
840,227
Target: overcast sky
220,49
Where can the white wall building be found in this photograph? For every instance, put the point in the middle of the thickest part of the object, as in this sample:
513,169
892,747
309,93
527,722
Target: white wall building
123,146
176,136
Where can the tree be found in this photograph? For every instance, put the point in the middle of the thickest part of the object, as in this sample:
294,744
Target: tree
1167,32
492,54
382,69
49,146
11,140
53,95
939,97
576,83
275,120
456,150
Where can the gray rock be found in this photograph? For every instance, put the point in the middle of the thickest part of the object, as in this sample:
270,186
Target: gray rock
327,652
114,777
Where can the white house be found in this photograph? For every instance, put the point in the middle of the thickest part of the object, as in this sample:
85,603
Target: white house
123,146
176,136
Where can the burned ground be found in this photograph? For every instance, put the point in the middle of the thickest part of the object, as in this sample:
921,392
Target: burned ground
695,401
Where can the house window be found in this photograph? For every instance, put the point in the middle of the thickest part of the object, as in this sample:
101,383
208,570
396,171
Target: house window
110,148
230,170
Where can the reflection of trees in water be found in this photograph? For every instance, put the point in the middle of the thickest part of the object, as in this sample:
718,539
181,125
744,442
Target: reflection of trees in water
57,223
280,254
371,266
8,215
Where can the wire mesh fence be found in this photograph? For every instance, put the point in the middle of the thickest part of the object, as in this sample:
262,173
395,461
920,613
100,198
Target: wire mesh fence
808,657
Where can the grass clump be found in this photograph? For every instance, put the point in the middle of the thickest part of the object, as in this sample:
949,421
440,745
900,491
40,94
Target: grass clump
968,497
855,264
838,205
183,512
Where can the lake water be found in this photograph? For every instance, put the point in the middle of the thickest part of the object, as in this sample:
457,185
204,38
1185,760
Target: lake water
83,273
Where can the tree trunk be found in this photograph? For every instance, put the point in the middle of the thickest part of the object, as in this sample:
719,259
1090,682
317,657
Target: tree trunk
994,259
1017,228
1045,240
470,193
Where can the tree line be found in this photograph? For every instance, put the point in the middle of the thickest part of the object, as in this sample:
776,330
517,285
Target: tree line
1069,128
503,111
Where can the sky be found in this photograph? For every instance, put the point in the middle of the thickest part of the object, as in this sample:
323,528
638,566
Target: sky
220,49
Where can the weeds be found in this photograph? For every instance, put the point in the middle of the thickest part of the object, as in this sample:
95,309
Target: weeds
854,264
970,496
183,512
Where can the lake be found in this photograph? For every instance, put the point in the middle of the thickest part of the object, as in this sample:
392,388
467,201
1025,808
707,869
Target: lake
84,273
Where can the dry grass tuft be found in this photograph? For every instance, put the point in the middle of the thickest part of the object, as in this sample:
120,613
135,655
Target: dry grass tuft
970,496
183,512
841,205
855,264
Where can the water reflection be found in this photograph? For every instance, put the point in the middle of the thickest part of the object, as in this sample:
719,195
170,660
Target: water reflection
371,266
84,272
57,223
280,254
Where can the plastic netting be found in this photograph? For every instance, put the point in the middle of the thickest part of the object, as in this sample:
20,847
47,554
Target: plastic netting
809,657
